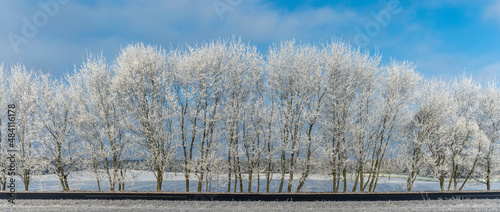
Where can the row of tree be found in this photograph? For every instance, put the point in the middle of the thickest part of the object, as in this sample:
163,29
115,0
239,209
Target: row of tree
222,109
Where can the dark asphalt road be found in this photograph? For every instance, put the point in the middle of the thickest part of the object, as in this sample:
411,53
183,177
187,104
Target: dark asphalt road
256,197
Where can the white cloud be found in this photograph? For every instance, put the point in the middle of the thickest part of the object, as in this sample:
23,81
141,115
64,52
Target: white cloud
491,70
265,24
107,25
492,12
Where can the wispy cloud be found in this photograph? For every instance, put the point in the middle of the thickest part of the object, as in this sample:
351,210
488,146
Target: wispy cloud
107,25
492,12
491,70
415,34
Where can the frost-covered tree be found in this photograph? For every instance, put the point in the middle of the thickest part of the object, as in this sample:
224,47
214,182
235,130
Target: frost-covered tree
436,112
3,147
488,118
350,77
143,81
204,67
364,116
24,88
199,94
100,120
427,125
392,108
243,77
214,83
315,90
289,69
267,121
216,168
182,87
253,139
57,121
467,141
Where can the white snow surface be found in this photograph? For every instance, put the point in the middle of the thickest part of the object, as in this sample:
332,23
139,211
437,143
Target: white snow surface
145,181
175,182
155,205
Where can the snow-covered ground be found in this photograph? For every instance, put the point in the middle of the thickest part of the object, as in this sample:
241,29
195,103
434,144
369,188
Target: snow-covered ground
145,181
154,205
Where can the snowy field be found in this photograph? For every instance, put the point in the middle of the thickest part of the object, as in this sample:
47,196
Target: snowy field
154,205
145,181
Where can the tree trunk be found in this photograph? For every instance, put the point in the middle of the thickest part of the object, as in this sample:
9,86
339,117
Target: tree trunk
4,183
283,167
159,179
268,175
26,179
308,159
66,182
229,168
239,174
250,180
356,179
344,174
290,171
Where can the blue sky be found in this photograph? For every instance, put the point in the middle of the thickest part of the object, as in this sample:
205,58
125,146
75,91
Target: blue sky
444,38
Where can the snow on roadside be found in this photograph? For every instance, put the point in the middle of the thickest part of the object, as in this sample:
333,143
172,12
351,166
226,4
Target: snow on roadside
221,206
145,181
